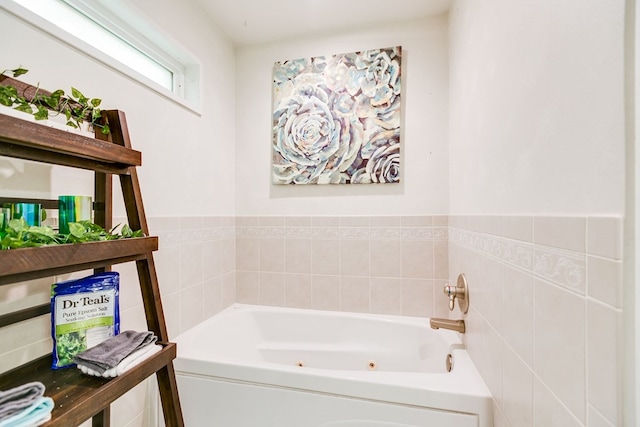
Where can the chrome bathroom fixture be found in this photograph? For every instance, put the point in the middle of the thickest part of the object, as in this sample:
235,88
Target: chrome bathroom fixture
459,292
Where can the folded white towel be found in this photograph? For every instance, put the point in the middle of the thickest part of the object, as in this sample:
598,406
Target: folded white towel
127,363
113,350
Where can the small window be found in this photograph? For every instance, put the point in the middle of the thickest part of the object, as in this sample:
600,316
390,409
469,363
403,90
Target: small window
116,30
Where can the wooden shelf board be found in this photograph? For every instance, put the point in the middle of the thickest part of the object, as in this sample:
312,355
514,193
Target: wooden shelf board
23,133
55,259
78,397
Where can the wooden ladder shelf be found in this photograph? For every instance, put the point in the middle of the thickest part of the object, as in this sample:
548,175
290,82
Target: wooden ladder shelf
79,397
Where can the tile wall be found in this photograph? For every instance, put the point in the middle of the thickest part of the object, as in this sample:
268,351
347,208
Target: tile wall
545,323
544,327
382,265
196,268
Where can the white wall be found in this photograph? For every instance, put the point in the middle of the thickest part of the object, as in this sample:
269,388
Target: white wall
184,154
423,188
536,107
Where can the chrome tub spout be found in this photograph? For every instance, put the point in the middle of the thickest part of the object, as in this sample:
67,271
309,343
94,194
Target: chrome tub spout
454,325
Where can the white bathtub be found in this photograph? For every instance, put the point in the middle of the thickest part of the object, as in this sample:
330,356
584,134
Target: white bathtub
255,366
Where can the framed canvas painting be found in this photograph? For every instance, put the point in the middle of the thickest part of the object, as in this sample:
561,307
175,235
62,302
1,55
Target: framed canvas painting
336,119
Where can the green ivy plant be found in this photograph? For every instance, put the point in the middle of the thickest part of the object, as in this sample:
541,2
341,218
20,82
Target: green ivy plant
77,108
19,234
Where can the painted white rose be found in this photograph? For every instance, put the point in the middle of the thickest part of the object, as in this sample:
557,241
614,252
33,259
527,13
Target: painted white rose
381,82
310,144
380,159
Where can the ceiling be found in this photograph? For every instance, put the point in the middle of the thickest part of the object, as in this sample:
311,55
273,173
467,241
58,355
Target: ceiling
248,22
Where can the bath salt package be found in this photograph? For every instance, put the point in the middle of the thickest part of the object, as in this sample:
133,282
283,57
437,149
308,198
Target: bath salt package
84,312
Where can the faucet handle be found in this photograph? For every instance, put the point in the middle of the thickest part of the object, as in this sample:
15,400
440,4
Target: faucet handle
461,292
450,291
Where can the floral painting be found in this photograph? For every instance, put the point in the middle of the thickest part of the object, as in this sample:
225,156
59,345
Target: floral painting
336,119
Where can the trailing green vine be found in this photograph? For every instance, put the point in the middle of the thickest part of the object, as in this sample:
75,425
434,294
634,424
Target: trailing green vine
77,108
18,234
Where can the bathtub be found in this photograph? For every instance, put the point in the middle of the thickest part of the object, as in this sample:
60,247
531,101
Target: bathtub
256,366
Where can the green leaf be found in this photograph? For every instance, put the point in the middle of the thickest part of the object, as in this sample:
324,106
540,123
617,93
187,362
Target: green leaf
126,231
105,130
40,235
19,71
6,100
24,107
42,230
53,101
8,95
77,230
90,226
18,225
12,243
47,100
81,99
96,102
10,91
42,113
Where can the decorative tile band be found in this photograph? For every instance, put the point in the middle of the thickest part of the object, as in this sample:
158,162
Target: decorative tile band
271,232
343,233
425,233
297,232
354,233
562,267
247,232
207,234
175,237
386,233
325,232
168,238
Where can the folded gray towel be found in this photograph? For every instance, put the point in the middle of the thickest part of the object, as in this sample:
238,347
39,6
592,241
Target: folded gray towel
111,351
16,399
